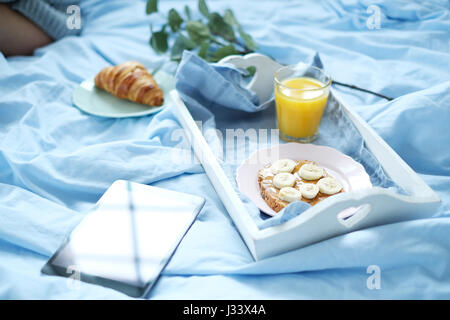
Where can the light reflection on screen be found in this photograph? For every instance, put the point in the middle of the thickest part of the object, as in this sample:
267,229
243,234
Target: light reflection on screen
131,234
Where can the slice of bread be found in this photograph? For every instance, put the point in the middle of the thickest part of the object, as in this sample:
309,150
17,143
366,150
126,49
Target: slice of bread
270,193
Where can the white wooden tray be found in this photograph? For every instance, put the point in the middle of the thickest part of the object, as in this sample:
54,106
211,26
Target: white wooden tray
377,206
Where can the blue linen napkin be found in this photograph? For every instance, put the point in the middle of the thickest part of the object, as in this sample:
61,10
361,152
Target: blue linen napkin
217,96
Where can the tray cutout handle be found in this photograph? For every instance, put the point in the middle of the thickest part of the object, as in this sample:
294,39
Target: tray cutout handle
352,215
262,82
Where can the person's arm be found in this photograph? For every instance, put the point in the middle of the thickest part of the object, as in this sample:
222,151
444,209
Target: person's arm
18,35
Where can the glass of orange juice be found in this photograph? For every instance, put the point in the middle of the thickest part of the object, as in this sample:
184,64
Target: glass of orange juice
301,94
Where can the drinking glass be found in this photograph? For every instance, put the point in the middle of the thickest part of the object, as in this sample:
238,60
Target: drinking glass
301,94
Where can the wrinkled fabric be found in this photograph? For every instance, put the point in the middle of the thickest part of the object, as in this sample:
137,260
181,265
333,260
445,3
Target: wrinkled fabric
56,161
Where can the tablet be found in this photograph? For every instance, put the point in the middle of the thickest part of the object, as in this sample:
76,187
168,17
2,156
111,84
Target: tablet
126,240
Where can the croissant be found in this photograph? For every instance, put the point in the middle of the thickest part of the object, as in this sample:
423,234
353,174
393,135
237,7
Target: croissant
131,81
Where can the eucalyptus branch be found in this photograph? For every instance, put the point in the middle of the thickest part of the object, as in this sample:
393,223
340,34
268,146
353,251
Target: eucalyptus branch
213,36
351,86
244,51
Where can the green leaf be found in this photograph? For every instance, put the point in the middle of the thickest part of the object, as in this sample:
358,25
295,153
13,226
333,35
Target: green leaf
225,51
204,49
211,59
218,26
248,40
175,20
197,31
187,12
152,6
178,48
203,8
181,43
158,41
229,18
189,44
251,71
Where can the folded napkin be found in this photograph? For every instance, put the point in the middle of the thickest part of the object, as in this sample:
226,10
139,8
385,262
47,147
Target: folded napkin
217,95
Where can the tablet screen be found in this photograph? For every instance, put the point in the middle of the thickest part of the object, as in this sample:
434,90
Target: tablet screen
127,239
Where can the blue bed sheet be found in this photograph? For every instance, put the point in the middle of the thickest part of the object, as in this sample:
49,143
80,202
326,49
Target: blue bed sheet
56,161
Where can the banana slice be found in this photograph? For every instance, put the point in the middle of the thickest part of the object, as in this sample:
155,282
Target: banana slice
283,165
283,180
290,194
309,190
329,185
310,171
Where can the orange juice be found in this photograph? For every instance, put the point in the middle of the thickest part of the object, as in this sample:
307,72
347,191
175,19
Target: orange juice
300,103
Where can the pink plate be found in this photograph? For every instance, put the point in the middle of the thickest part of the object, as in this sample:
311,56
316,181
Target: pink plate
347,171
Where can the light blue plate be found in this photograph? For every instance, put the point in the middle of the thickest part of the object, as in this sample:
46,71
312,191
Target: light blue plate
98,102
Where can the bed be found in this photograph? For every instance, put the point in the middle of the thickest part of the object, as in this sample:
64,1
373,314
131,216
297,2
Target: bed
56,161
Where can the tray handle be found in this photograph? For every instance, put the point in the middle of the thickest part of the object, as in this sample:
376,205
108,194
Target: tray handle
376,206
262,82
368,208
